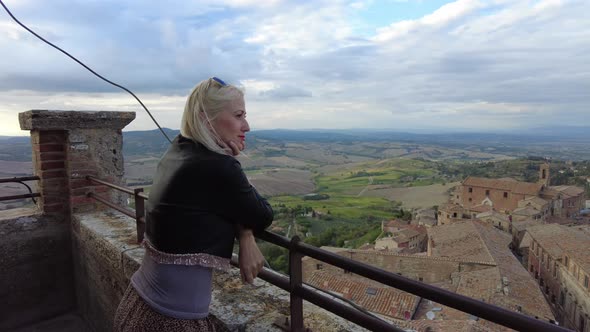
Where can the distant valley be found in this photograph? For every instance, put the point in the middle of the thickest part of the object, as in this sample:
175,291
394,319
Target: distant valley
414,170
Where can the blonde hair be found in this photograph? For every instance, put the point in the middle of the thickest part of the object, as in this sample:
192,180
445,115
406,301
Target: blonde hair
203,105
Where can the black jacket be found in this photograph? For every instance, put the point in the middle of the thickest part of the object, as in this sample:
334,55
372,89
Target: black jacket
197,198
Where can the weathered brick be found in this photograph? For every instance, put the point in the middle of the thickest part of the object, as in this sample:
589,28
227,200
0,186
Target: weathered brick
80,183
101,189
52,199
81,191
56,183
34,137
53,208
53,174
50,147
52,136
52,156
46,165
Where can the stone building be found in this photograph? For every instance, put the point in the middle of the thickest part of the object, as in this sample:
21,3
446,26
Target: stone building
451,212
497,219
471,258
566,201
521,200
401,237
561,267
503,195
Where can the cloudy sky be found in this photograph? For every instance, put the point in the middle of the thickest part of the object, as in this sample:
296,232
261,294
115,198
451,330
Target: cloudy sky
412,65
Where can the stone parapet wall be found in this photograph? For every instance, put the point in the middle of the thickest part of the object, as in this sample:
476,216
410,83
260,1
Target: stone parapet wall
36,265
106,255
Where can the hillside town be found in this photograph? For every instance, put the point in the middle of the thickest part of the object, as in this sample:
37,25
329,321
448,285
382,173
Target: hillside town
518,245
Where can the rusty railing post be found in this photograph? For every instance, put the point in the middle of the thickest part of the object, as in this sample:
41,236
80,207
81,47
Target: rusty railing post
296,281
139,214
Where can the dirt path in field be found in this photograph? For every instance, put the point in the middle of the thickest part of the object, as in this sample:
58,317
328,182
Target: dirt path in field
367,187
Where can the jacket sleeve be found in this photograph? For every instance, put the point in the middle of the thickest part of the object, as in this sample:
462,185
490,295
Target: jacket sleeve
240,201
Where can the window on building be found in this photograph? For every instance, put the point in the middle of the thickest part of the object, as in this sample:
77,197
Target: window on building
470,190
319,266
533,246
567,262
586,281
582,323
555,269
470,199
532,268
542,259
455,215
346,271
553,298
487,193
505,194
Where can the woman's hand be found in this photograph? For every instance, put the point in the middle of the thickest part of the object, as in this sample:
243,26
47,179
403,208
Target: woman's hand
250,258
234,148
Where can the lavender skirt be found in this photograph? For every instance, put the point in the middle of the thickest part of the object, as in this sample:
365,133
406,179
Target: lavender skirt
133,314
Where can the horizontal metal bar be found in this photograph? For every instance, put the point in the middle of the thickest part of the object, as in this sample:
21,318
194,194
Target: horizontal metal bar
273,238
466,304
19,179
143,195
268,275
311,295
108,184
8,198
112,205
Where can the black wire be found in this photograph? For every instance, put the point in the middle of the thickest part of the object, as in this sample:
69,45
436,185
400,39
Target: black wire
26,185
88,68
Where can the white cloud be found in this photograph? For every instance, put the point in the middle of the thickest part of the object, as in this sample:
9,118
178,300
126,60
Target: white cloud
438,19
468,64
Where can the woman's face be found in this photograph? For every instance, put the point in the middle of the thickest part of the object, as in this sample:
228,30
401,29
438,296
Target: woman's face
231,125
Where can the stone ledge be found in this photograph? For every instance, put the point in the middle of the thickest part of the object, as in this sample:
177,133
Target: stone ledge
111,236
65,120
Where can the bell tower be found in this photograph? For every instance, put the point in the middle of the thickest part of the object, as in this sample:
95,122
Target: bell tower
544,174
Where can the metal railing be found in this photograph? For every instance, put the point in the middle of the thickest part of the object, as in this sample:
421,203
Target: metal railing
21,180
139,197
299,291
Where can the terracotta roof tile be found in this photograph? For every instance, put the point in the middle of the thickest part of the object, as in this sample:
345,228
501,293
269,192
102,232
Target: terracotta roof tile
382,300
459,240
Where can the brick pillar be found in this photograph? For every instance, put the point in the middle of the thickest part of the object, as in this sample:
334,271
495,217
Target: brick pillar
49,163
68,146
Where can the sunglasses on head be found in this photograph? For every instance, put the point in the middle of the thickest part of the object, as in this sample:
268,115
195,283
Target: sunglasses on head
218,80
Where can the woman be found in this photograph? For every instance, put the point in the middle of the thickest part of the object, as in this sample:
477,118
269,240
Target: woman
199,201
